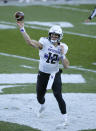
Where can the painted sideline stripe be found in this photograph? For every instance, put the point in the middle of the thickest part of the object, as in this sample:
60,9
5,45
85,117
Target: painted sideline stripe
63,24
28,67
2,26
79,34
71,8
20,57
30,59
32,78
66,32
90,23
8,86
82,69
94,63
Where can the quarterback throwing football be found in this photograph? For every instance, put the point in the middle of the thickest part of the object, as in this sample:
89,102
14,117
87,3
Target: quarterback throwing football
51,51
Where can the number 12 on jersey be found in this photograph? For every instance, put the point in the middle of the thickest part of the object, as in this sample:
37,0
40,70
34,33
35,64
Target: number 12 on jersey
52,58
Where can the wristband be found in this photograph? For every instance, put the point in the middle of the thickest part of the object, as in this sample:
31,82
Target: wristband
22,29
63,57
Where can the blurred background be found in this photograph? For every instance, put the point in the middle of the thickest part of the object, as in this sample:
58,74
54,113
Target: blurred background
50,1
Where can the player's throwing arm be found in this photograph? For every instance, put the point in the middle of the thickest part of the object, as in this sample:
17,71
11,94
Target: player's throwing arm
19,16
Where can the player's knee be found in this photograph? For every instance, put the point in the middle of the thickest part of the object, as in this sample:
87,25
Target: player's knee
41,100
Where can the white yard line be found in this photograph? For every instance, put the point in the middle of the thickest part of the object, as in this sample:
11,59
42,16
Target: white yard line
28,67
70,8
79,34
20,57
30,59
23,108
46,28
94,63
8,86
63,24
2,26
66,32
18,78
90,23
82,69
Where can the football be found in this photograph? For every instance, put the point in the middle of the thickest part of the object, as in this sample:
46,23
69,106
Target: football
19,16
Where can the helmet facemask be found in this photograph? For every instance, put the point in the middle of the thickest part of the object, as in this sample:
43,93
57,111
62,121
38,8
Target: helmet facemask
54,38
55,34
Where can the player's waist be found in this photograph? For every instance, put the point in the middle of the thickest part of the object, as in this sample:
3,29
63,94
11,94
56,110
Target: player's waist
48,74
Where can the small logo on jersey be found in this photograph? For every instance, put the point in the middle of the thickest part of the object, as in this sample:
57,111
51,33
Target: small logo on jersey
51,77
46,55
54,51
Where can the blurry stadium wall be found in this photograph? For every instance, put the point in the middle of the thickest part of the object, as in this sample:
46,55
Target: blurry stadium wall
56,1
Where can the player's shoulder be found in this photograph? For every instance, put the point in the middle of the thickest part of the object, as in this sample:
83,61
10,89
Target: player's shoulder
43,39
64,44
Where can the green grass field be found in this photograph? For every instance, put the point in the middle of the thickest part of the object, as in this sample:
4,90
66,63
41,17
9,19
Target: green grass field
82,50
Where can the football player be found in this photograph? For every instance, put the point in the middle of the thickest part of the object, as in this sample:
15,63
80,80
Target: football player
91,16
51,51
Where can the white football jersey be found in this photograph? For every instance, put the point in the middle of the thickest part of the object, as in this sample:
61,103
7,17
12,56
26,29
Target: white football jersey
50,56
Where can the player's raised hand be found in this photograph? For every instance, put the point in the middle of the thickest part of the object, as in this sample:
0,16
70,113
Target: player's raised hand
19,16
20,24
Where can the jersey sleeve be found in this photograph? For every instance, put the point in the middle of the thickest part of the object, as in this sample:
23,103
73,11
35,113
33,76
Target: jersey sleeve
41,40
